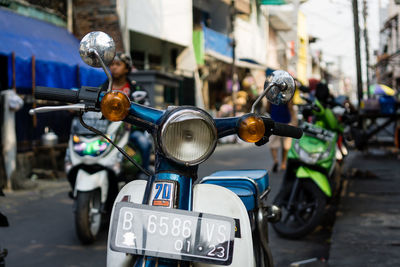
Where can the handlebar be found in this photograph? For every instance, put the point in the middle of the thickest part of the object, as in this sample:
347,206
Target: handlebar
90,96
282,129
57,94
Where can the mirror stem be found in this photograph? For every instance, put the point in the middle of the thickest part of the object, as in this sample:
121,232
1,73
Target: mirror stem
253,107
110,80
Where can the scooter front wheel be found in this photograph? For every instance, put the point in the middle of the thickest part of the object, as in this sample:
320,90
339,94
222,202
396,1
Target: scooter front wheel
88,216
303,215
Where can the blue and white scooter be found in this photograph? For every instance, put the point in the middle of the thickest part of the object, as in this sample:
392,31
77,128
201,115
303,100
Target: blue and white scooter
175,218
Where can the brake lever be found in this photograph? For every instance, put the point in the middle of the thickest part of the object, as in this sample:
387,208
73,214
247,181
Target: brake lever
73,107
268,125
262,141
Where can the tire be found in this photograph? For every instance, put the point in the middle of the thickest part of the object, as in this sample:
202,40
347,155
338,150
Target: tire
88,216
306,213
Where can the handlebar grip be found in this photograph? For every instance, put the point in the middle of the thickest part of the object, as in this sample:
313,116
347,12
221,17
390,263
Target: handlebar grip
57,94
282,129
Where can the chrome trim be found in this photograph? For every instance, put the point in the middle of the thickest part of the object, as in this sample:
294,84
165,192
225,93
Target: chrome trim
264,93
76,107
103,66
195,114
265,193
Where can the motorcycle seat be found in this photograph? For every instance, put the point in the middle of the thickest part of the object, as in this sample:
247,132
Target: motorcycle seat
246,184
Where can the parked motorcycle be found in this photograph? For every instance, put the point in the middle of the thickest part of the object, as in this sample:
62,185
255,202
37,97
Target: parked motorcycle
93,166
313,172
174,218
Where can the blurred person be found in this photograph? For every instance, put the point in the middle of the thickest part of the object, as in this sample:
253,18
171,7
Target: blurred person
226,109
284,113
10,103
241,102
312,85
120,69
322,94
249,84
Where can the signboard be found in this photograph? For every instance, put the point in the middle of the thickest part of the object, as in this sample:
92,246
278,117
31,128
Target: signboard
273,2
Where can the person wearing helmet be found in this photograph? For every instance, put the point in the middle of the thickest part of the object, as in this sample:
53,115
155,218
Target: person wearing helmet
120,69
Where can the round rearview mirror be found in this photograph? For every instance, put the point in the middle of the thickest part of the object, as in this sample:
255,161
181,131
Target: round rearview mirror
282,87
100,42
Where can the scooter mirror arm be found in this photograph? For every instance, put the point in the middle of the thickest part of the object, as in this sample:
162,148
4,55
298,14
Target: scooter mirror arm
110,79
264,93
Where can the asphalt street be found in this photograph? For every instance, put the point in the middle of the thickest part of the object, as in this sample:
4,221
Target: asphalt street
42,225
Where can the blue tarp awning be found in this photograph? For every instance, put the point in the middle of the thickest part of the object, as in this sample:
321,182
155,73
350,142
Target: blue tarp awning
56,54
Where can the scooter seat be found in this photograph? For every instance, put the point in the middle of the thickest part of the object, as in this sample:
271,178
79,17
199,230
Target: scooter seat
247,184
261,177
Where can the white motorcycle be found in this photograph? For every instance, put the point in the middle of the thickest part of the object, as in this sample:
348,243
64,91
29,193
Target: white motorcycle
93,166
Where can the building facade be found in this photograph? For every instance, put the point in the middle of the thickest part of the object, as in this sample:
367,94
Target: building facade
387,69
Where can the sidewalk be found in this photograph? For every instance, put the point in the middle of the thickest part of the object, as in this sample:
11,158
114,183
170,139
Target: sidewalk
367,227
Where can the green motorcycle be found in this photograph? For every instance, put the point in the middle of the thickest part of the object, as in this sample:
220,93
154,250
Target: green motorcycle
312,177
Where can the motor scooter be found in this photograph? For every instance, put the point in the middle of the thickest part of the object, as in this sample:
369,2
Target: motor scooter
175,218
96,170
312,177
93,166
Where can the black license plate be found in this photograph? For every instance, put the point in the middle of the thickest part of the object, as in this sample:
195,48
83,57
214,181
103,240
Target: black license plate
171,233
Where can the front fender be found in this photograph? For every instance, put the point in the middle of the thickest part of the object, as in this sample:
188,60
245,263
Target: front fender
87,182
320,179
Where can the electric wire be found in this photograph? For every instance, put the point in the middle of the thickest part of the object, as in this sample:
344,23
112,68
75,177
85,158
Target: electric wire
137,165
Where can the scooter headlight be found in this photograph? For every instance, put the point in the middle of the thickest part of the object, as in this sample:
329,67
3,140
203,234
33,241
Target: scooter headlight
92,148
310,158
188,136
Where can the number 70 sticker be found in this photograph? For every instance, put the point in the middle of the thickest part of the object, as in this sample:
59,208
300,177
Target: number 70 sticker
162,194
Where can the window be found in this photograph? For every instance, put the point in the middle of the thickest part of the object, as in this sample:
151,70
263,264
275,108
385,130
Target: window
138,59
155,62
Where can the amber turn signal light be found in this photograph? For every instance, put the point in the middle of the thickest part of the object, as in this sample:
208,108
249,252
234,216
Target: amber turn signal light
115,106
251,129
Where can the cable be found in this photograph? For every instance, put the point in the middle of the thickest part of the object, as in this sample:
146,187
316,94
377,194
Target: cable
137,165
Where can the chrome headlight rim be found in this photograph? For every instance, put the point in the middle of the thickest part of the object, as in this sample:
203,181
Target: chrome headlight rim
196,114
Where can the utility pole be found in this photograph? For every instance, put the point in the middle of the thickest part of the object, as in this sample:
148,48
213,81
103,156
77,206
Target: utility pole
340,76
358,57
366,40
234,77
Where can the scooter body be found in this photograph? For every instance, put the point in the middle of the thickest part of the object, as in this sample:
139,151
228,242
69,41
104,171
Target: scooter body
238,194
315,156
236,197
312,177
